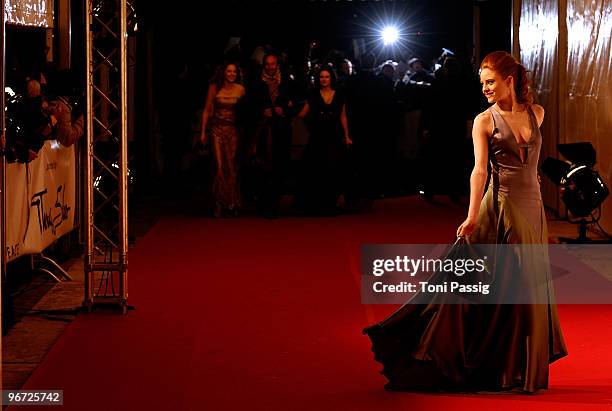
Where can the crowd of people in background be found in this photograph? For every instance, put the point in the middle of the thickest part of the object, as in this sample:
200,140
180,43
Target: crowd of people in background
354,114
333,133
47,106
330,132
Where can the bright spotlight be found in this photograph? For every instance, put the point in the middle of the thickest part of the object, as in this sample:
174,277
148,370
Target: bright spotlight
390,35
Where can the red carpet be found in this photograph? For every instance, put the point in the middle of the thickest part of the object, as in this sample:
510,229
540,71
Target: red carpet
266,315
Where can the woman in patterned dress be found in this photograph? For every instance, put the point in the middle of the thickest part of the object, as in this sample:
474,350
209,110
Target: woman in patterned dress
220,124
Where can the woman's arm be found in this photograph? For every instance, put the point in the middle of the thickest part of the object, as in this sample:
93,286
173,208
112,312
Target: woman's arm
304,111
478,179
538,110
208,107
347,138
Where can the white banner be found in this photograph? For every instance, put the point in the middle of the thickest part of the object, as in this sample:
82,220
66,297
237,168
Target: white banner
38,13
40,200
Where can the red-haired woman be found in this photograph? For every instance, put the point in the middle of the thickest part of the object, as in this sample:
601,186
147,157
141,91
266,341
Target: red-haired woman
496,346
224,94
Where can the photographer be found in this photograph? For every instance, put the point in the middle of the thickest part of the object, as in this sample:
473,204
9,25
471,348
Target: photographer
68,128
33,118
28,124
64,107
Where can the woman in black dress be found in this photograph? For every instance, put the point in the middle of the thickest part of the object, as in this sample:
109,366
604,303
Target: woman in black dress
325,117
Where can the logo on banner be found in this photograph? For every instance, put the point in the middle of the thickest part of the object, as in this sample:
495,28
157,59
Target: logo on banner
51,218
13,251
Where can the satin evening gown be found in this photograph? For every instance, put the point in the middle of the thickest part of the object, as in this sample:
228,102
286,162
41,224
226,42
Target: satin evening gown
483,347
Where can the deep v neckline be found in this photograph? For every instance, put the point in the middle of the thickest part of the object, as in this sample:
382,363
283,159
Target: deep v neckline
516,141
330,101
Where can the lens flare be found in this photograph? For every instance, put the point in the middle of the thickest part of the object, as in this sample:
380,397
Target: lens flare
390,35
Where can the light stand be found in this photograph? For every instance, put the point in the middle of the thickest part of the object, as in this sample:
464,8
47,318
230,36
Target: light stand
583,238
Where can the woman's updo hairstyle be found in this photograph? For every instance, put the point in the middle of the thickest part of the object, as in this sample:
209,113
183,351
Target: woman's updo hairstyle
503,63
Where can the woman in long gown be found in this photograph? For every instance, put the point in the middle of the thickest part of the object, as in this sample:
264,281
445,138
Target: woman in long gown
486,347
325,116
224,95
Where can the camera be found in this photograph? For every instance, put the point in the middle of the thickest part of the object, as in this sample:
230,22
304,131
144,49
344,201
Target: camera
28,125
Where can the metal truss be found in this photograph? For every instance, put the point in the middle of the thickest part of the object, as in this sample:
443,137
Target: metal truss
3,228
106,181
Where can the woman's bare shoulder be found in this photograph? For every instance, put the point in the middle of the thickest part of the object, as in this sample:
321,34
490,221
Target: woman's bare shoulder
238,90
484,120
538,110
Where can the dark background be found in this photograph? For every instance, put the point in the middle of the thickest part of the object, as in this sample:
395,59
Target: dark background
198,32
179,43
195,34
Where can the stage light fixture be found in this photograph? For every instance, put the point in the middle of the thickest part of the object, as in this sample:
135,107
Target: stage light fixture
583,190
390,35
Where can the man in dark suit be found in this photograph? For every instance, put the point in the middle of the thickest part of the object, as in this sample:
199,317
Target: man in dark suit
272,104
